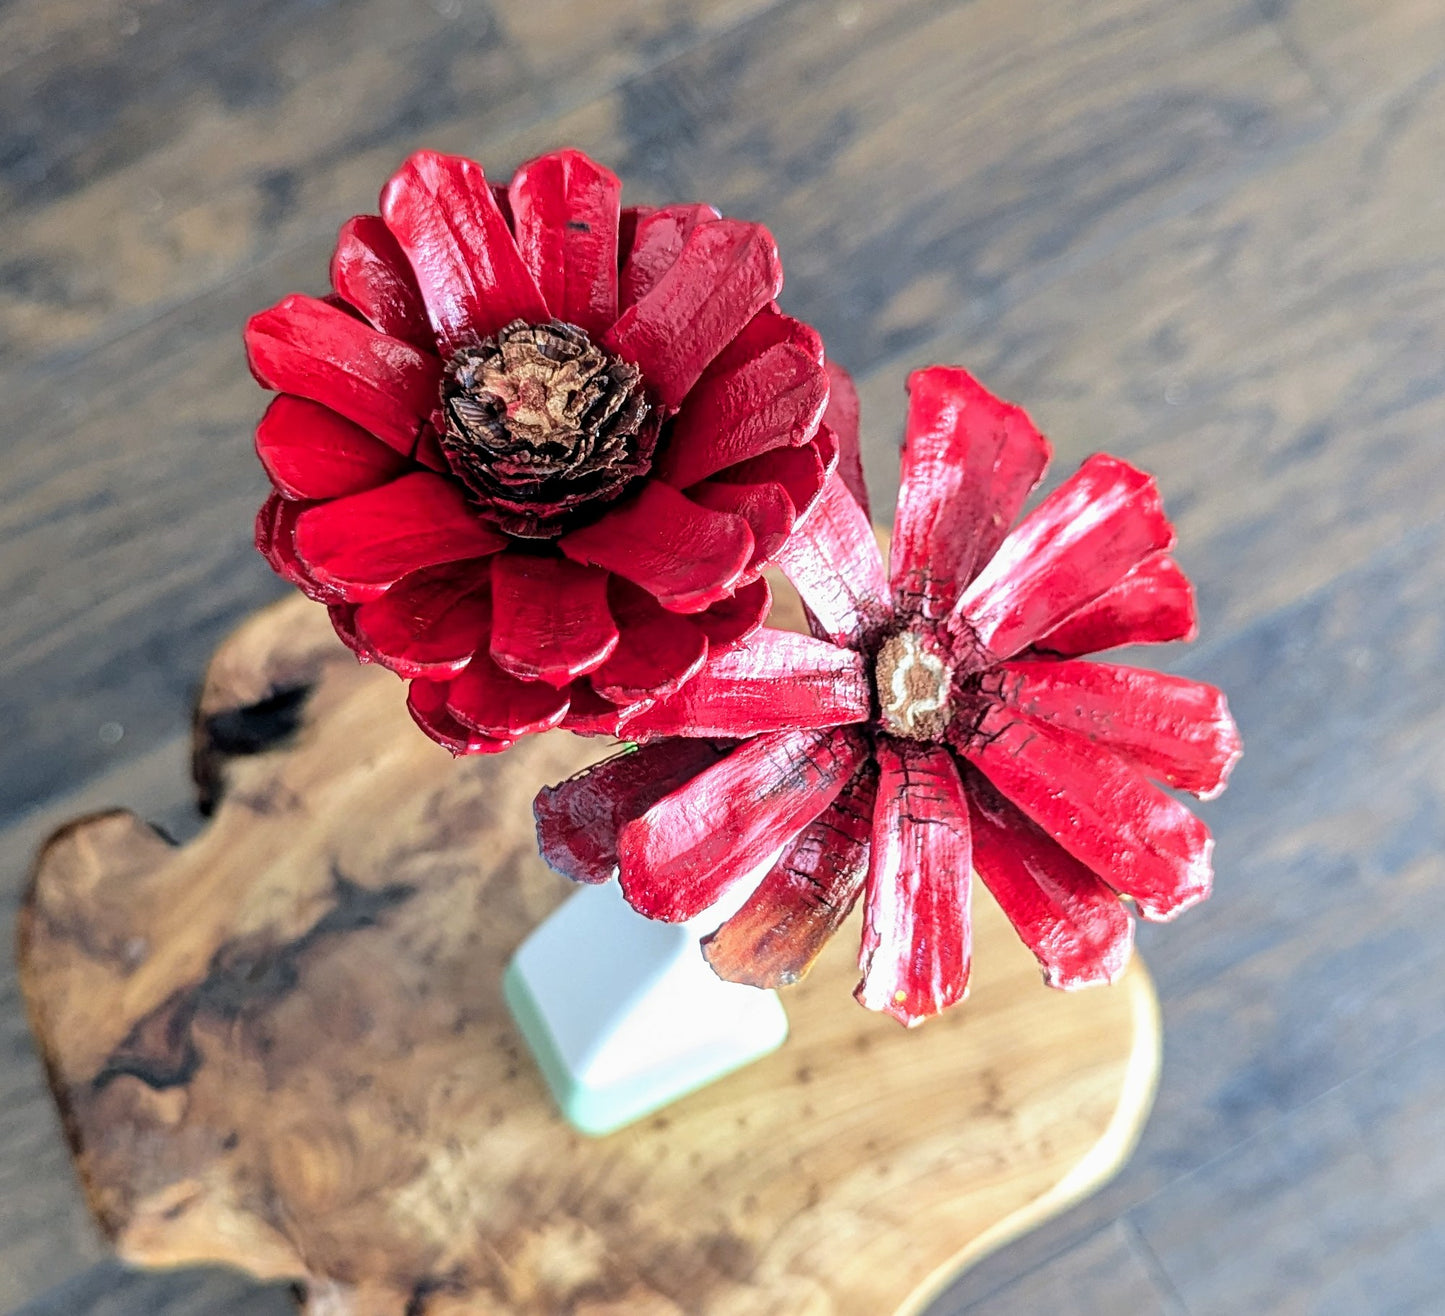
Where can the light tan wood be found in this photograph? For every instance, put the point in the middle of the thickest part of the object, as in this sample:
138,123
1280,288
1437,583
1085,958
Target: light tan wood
283,1046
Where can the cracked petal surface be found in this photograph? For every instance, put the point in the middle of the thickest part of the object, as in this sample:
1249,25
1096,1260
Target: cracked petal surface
1141,841
803,900
777,680
686,850
1074,923
833,561
917,923
578,820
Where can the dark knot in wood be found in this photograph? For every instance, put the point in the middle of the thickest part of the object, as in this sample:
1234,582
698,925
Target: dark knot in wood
544,427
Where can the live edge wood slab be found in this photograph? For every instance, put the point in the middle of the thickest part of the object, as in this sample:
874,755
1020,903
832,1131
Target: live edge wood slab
283,1047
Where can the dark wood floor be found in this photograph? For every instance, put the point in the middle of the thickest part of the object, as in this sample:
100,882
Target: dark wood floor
1209,236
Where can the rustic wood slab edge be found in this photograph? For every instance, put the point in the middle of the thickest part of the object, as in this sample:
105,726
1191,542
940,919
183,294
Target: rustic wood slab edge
282,1047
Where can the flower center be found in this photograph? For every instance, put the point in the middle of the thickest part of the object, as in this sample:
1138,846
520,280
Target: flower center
541,423
914,686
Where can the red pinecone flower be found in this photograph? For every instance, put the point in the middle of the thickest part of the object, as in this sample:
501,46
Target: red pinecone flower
535,449
936,723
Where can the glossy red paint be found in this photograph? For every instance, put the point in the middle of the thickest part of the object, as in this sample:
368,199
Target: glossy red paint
550,620
370,517
917,924
992,747
684,852
370,272
306,348
784,924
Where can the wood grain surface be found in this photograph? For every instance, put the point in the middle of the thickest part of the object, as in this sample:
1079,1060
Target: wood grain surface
1207,236
283,1047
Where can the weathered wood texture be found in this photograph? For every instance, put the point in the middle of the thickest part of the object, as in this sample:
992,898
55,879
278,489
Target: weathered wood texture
283,1046
1205,235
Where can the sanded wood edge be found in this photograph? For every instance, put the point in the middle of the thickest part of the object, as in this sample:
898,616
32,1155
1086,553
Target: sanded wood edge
1104,1160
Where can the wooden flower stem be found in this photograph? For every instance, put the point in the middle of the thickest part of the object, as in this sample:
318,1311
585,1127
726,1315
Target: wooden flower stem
283,1047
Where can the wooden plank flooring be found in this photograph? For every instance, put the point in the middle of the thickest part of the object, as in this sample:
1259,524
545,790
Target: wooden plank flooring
1208,236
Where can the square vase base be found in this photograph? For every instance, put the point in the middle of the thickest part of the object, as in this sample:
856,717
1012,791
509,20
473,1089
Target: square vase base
624,1016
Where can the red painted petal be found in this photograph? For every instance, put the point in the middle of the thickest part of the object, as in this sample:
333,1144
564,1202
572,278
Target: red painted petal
1177,731
1142,842
1082,539
778,680
917,923
1076,926
591,714
276,542
471,276
657,653
491,701
367,542
312,453
343,622
774,938
842,417
685,851
426,701
801,471
370,270
772,400
726,272
948,507
429,624
1020,466
734,620
656,242
627,224
687,557
549,618
565,210
765,507
833,561
578,820
1153,604
769,328
303,346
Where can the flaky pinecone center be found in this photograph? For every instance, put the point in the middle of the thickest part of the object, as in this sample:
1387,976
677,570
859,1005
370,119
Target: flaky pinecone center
914,685
543,425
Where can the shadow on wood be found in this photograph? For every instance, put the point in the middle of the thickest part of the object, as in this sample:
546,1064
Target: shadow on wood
283,1047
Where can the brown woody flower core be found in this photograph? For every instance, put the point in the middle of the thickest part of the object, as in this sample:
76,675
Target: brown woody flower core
541,422
915,687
